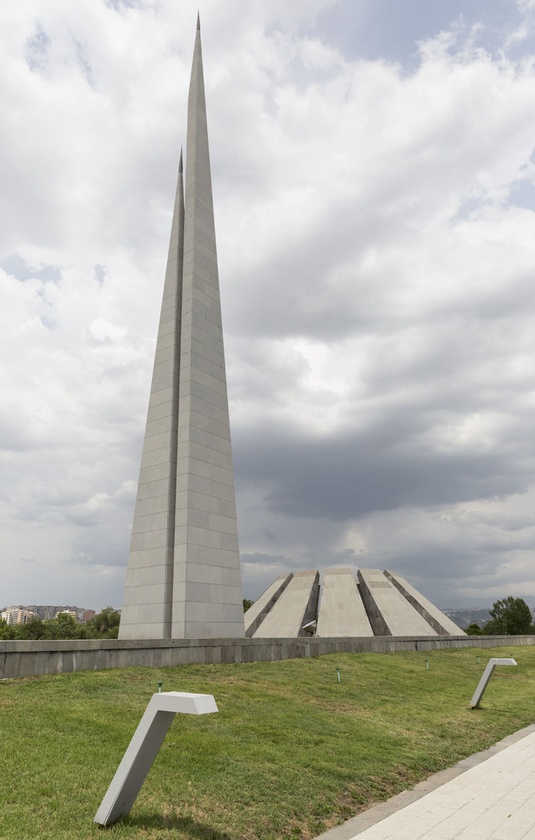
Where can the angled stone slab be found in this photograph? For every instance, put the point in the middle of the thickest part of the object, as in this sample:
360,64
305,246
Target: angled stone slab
261,607
341,610
296,607
389,612
435,617
143,749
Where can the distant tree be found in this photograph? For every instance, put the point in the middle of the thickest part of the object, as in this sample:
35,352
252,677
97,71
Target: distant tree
246,604
105,625
510,617
475,630
33,629
63,626
7,631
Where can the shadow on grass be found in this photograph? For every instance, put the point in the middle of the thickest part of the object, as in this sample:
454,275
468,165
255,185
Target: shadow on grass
195,830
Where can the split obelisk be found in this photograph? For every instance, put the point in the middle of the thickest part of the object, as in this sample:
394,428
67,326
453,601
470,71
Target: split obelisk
183,579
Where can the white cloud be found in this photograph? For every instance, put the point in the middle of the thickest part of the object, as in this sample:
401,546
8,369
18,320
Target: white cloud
376,282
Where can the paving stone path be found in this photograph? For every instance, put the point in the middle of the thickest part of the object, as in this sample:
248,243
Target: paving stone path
489,796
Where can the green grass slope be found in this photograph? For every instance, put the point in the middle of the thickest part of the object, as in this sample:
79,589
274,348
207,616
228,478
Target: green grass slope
290,753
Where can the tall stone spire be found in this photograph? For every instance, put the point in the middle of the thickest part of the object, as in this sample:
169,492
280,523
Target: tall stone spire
183,578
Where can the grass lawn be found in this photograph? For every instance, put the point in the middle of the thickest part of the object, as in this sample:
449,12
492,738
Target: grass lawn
290,753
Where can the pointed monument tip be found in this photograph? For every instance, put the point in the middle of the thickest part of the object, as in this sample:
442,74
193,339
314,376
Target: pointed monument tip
180,163
199,21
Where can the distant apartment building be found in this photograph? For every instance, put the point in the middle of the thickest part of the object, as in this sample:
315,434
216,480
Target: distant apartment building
49,611
17,615
72,613
46,612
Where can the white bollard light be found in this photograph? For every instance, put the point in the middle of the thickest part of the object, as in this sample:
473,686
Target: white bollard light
143,749
487,674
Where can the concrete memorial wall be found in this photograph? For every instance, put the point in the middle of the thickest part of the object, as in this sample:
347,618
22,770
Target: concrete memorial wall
37,658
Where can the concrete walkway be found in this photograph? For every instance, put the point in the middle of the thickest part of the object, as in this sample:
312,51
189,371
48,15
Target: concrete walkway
489,796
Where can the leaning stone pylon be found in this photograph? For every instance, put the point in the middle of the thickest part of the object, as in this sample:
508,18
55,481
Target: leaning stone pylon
183,579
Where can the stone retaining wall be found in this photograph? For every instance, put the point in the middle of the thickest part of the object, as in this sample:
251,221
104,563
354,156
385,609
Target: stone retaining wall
36,658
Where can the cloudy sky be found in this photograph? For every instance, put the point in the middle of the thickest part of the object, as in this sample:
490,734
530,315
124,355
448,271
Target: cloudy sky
374,183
